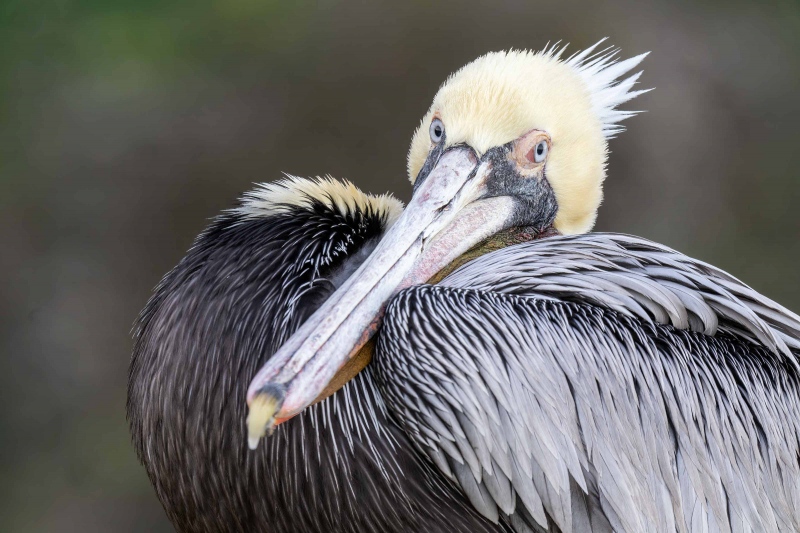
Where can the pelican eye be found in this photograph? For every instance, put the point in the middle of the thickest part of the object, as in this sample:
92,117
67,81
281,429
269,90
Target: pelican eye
539,152
437,130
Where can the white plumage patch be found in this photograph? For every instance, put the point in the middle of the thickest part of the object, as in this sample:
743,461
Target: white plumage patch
600,72
292,192
503,95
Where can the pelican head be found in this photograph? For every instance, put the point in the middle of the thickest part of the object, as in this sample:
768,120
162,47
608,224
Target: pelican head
513,139
536,100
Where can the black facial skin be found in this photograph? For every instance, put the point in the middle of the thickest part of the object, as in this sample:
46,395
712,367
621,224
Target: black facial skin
534,200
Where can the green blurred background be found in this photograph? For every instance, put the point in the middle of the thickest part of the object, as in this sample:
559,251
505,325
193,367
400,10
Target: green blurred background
126,125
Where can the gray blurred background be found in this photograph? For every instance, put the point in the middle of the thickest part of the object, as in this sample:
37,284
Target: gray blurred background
126,124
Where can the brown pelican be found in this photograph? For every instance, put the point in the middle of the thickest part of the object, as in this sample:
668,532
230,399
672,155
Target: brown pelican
524,376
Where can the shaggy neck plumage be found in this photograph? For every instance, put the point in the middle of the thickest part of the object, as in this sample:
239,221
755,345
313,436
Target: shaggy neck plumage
244,287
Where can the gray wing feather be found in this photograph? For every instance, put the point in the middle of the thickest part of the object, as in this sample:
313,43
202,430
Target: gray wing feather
552,414
611,270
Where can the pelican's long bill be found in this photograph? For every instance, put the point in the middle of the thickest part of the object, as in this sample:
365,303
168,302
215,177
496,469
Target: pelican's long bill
511,139
449,213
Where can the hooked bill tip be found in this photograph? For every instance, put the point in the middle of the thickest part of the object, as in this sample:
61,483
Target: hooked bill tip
261,416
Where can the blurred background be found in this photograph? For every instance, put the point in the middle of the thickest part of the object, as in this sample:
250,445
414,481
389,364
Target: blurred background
126,124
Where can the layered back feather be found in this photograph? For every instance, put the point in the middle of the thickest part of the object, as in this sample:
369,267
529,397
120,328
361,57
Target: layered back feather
601,383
